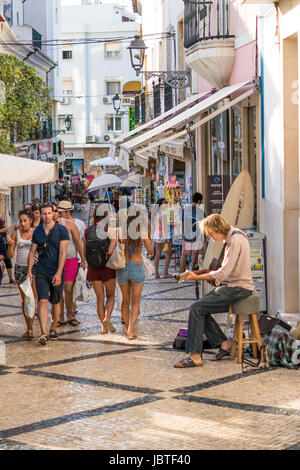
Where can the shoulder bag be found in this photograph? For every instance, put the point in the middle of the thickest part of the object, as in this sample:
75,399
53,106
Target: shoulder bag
117,259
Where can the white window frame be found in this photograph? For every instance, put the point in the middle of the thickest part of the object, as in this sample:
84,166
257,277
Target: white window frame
114,117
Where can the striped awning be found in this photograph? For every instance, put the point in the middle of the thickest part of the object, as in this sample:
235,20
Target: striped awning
169,185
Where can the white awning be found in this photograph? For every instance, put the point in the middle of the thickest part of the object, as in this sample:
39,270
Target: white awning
174,148
17,171
162,117
167,130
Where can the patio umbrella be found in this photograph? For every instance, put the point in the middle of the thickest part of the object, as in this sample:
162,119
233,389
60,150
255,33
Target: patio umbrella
128,184
17,171
105,181
105,162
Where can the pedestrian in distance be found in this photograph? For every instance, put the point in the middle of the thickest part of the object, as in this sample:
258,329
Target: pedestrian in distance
20,241
50,240
160,237
233,282
192,237
99,243
7,262
131,278
36,214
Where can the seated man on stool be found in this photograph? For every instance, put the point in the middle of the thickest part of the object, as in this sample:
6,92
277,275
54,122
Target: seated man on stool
234,282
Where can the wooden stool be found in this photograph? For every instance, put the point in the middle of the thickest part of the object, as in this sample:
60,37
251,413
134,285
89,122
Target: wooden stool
248,306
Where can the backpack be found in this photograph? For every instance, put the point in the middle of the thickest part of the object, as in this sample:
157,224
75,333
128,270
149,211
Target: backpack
96,249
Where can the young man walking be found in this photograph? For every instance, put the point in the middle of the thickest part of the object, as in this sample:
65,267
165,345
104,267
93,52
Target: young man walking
50,240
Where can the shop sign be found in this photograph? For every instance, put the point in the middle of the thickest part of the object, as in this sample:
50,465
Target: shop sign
128,101
217,189
75,179
73,154
44,146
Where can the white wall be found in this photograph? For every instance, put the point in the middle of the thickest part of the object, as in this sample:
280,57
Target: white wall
89,67
272,204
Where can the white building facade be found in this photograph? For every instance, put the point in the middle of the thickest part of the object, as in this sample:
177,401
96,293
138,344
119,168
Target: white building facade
25,28
96,66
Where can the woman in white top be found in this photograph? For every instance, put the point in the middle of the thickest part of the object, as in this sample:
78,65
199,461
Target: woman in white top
21,240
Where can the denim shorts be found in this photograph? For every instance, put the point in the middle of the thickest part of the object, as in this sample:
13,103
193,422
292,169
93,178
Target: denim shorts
133,272
45,288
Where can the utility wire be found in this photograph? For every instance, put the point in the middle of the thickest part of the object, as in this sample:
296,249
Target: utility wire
66,42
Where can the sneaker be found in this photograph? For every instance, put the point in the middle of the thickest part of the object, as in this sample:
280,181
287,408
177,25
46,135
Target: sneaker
43,340
53,334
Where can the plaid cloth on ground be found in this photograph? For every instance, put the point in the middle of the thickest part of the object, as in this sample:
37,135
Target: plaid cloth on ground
283,349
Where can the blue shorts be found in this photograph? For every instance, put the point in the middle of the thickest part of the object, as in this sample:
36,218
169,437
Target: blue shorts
133,272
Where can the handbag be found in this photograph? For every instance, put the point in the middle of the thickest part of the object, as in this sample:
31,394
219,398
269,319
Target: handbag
83,289
117,259
148,266
29,301
266,323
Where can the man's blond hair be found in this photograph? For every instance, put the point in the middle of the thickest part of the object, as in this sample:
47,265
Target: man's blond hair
216,223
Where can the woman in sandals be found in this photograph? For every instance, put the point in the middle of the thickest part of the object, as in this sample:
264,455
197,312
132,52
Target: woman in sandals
20,240
103,279
131,278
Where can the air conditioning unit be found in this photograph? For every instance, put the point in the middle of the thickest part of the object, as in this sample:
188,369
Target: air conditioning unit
107,137
90,139
66,100
107,100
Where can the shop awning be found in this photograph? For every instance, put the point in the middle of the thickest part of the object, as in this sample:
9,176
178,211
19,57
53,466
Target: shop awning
17,171
162,117
169,131
175,148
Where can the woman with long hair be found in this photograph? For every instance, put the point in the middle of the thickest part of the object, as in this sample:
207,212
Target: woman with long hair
36,215
131,278
102,279
20,240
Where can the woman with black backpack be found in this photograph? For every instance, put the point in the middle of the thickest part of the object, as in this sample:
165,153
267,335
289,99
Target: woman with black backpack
99,243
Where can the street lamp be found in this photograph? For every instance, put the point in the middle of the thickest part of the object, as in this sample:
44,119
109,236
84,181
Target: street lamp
137,51
116,103
68,123
176,79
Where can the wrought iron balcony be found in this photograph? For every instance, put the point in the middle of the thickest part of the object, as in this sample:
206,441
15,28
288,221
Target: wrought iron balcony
206,20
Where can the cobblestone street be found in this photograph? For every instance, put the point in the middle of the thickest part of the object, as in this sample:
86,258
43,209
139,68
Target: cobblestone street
86,391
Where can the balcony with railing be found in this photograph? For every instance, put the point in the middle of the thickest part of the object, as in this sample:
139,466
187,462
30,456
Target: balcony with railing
208,40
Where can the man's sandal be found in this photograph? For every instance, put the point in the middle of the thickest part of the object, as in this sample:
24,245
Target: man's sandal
220,354
187,362
73,322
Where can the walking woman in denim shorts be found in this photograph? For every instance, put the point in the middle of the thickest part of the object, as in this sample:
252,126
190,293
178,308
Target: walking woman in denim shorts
131,278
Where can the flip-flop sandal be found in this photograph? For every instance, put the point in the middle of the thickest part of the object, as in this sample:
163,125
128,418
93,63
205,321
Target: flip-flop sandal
109,326
187,362
73,322
131,336
220,354
61,323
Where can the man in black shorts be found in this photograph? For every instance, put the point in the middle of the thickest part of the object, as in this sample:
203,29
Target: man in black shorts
50,241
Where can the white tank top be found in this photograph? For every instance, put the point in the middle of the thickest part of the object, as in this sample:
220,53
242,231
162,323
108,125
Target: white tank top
23,248
71,249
